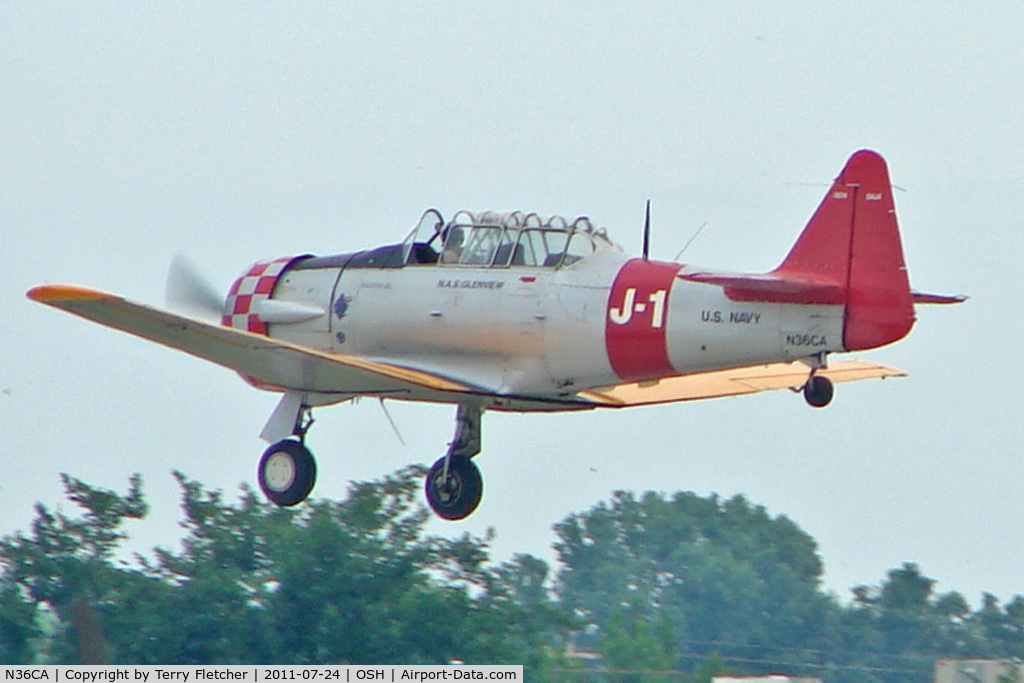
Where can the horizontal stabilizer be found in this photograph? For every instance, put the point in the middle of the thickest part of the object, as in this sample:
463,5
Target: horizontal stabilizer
805,286
747,380
924,298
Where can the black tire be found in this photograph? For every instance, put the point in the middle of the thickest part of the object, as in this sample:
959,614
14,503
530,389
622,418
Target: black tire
287,472
457,497
818,391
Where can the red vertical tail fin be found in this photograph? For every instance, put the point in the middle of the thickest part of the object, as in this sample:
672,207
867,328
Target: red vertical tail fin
853,241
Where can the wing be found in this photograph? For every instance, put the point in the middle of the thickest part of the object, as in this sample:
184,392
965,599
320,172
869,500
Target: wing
272,362
746,380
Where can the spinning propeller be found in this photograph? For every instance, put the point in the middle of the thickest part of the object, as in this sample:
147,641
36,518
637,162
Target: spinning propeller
188,291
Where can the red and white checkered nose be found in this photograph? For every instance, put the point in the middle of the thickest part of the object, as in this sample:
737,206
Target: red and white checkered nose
257,284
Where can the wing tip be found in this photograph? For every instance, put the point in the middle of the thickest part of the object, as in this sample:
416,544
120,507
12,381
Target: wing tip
52,293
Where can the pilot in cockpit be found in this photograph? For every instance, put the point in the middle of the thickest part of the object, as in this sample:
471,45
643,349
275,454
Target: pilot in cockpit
453,244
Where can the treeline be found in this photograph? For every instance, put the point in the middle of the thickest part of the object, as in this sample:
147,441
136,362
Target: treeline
684,584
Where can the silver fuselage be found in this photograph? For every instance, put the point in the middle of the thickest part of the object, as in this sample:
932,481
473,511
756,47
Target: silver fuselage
534,331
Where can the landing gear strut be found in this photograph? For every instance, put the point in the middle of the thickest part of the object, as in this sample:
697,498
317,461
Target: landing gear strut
454,485
287,470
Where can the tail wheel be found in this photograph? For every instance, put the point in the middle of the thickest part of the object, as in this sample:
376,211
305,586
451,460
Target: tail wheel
287,472
456,496
818,391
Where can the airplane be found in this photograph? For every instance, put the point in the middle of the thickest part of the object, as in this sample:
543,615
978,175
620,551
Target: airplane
519,312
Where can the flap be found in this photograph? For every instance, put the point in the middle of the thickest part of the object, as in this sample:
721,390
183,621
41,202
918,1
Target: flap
733,382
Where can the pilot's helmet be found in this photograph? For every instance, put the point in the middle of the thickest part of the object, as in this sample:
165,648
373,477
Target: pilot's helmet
453,236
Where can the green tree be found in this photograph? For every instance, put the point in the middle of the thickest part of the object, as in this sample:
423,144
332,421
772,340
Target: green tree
726,574
356,580
706,670
916,625
18,626
656,582
907,614
999,631
66,563
638,648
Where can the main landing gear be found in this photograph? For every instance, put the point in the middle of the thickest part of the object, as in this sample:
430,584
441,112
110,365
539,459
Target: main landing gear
454,486
818,391
287,470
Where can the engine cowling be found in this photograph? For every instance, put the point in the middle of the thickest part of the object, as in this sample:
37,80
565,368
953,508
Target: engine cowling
246,306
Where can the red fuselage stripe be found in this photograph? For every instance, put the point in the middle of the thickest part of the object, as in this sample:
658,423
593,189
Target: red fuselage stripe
636,321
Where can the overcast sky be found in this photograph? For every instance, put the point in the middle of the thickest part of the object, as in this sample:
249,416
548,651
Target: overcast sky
233,131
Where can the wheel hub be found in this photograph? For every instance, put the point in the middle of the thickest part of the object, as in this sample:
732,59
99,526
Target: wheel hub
279,471
453,487
448,490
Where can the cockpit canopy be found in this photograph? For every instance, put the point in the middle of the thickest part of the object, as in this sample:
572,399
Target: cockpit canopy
498,240
483,240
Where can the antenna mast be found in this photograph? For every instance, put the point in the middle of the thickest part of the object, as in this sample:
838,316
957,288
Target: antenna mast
647,231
